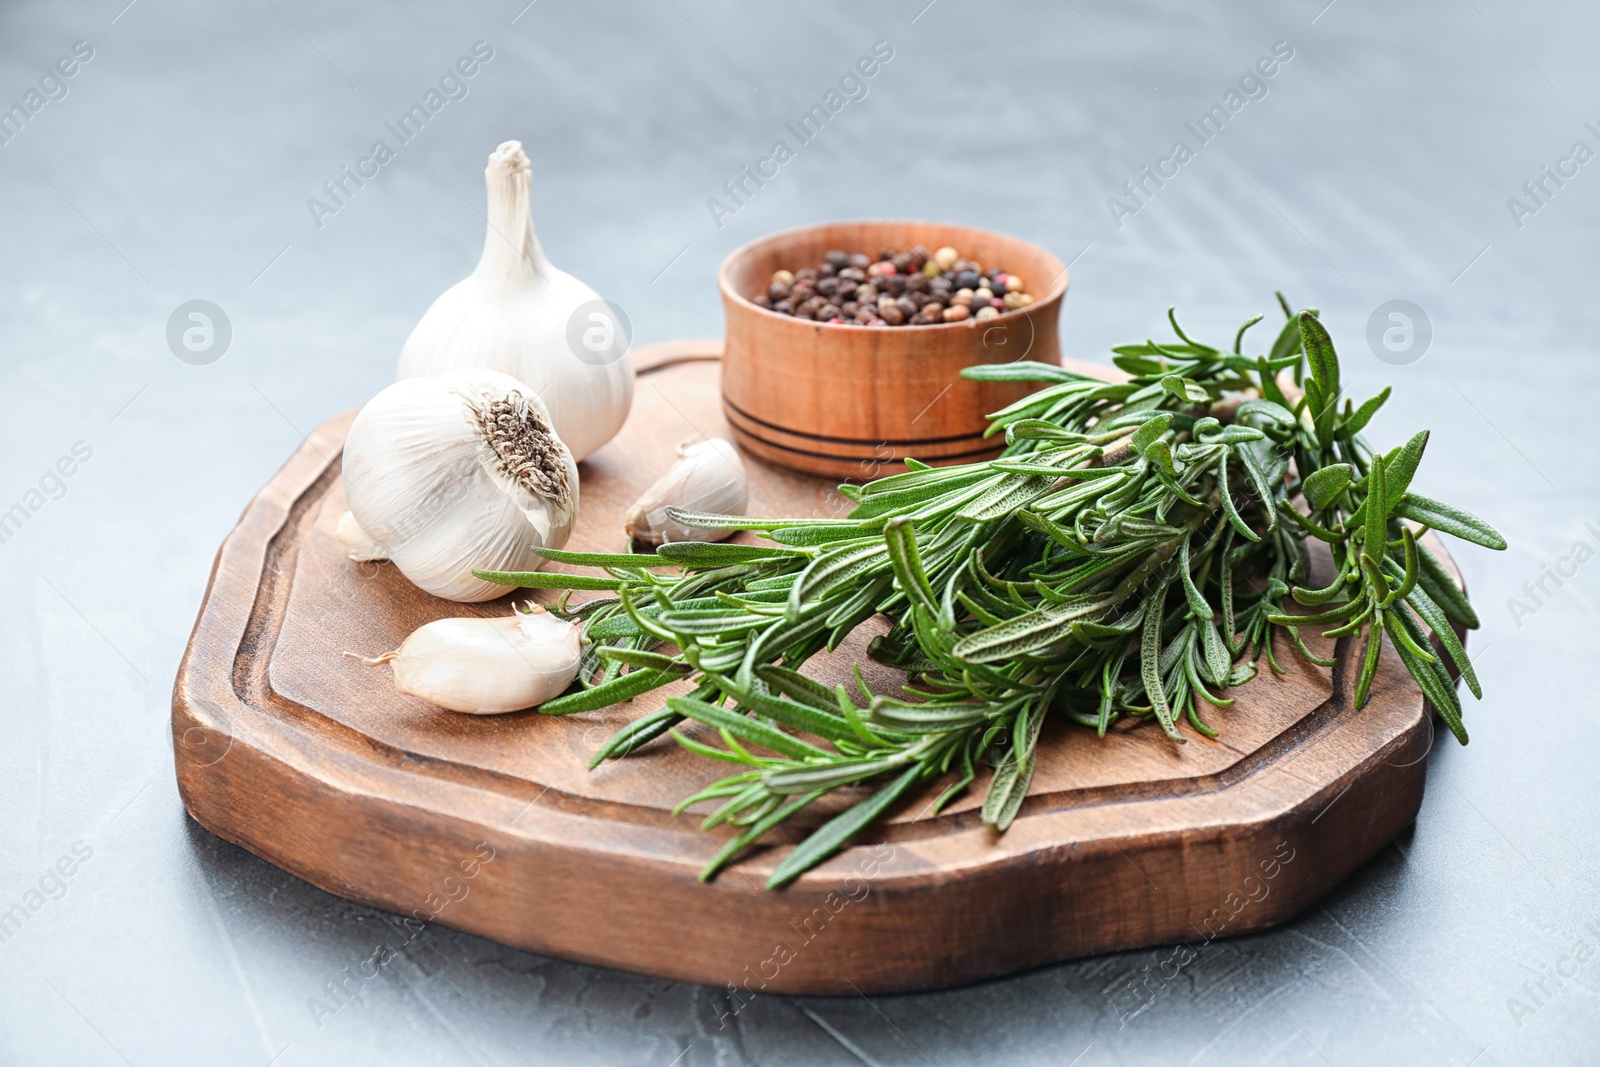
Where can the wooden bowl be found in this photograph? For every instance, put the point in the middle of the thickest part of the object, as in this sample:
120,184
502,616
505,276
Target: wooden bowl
854,401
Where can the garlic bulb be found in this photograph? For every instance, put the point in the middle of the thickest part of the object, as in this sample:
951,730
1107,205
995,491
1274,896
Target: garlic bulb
708,477
457,472
518,314
488,666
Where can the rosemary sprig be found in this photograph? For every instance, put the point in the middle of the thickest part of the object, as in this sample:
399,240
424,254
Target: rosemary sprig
1127,557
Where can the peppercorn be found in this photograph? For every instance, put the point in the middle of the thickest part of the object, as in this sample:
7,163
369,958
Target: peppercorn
907,287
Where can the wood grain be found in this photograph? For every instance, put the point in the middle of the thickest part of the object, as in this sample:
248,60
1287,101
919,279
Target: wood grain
299,753
852,401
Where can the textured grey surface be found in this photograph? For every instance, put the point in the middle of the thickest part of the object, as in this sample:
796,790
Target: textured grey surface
178,166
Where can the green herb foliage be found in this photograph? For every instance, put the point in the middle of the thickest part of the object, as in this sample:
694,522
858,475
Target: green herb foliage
1127,557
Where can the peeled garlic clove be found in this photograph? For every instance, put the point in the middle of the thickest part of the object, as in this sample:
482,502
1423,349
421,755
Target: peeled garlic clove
708,477
357,545
489,666
519,314
457,472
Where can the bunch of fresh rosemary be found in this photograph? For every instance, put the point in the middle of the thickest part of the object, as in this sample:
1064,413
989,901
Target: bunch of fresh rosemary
1128,556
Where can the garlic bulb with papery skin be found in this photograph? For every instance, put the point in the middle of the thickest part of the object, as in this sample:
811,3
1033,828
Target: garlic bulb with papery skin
488,666
515,314
459,471
708,477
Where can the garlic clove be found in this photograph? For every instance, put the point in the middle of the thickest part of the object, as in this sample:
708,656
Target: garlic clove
489,666
519,314
456,472
709,477
358,546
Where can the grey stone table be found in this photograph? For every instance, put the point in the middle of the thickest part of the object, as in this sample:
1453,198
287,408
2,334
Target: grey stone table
1397,152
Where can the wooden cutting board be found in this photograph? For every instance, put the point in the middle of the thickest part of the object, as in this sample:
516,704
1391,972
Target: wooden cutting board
493,824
